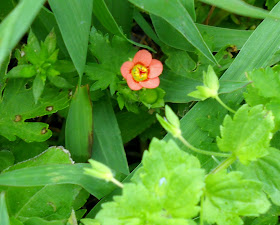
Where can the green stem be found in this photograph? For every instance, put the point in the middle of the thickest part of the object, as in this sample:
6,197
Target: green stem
200,151
116,182
224,165
224,105
201,210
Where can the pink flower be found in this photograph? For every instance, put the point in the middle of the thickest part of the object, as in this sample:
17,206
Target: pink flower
142,72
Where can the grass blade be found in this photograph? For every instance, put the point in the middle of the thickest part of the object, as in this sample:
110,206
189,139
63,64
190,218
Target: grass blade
58,174
4,217
108,145
79,126
182,22
16,24
241,8
74,21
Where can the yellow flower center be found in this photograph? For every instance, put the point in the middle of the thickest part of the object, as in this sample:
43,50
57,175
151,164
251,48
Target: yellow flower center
139,73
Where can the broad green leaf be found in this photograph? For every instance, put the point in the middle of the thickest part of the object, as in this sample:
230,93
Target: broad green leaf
174,177
46,201
79,125
18,105
74,29
108,146
181,22
38,220
247,134
16,24
266,170
105,17
132,124
229,196
241,8
4,216
6,158
216,37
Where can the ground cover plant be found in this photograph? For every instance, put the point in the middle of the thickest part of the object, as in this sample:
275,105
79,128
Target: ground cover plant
139,112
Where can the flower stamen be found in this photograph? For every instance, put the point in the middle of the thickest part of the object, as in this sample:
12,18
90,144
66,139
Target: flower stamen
139,73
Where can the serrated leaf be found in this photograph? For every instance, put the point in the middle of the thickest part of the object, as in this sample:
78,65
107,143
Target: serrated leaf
169,174
247,134
13,116
229,196
266,170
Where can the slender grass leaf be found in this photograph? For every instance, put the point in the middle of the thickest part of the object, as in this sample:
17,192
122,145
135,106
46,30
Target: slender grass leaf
6,158
79,125
132,124
4,216
16,24
177,16
241,8
42,26
105,17
58,174
256,53
189,5
108,145
122,12
74,21
216,37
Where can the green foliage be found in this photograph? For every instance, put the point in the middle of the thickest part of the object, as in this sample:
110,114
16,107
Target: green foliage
13,116
229,196
247,134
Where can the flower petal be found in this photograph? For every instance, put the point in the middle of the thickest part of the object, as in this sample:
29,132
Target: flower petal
143,56
132,84
150,83
126,68
155,68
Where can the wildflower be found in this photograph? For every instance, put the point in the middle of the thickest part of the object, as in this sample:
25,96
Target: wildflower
142,71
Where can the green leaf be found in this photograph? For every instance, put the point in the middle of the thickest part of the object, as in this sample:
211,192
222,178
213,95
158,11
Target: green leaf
108,147
229,196
169,174
22,71
105,17
48,201
4,216
167,10
241,8
110,55
213,36
74,29
189,5
50,42
172,117
210,88
7,159
60,82
16,24
13,116
79,125
38,87
37,220
266,170
247,134
131,124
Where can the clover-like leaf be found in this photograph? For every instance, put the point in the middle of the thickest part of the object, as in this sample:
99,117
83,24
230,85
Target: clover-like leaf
17,105
247,135
229,196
